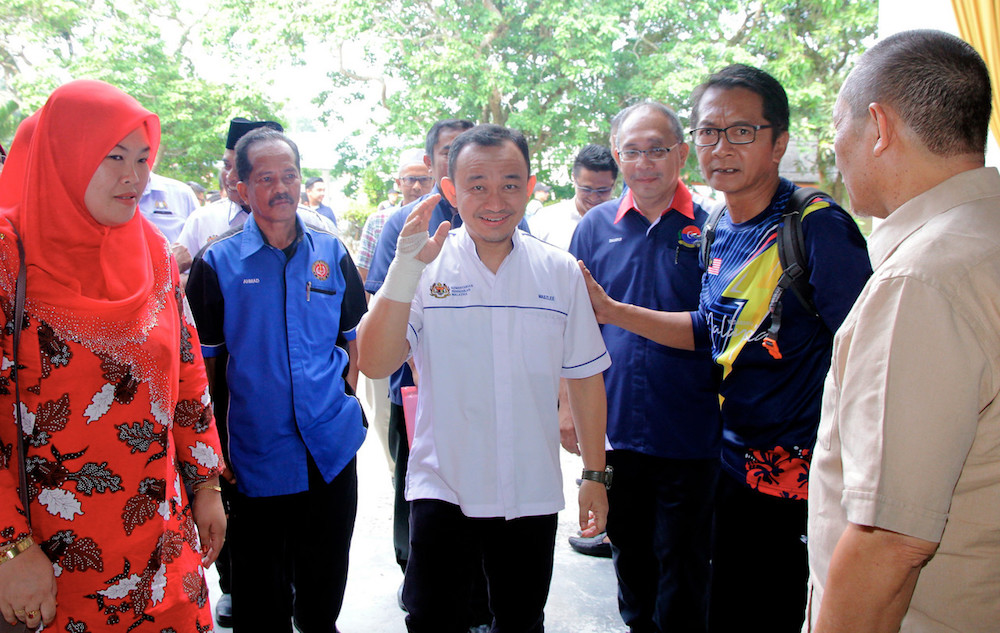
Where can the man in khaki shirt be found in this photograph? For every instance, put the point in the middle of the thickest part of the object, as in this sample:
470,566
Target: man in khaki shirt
904,523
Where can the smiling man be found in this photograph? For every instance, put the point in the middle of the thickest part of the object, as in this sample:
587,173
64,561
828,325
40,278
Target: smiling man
663,413
276,295
493,318
770,403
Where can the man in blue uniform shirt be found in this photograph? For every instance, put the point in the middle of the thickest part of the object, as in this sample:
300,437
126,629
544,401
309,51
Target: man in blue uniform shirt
663,413
268,294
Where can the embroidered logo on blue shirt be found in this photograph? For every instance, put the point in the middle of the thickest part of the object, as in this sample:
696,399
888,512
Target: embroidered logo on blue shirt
689,236
321,270
612,240
253,280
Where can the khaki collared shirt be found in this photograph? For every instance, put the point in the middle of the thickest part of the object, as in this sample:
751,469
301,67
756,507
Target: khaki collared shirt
910,434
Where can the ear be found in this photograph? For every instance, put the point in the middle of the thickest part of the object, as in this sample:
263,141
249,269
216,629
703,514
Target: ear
780,147
884,125
427,161
531,186
241,187
448,189
683,150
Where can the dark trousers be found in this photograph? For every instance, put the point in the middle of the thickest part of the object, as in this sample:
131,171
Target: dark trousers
290,554
449,550
399,448
759,560
223,563
660,523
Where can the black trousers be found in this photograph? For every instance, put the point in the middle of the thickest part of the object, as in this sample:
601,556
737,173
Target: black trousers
760,564
448,550
400,451
660,524
290,555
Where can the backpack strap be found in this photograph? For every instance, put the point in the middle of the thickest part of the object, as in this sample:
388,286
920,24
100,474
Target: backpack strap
708,235
794,267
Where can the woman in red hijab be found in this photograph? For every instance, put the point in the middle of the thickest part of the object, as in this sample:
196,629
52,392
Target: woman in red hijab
123,457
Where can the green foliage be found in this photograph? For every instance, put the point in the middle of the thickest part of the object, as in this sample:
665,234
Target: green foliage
352,219
124,43
556,71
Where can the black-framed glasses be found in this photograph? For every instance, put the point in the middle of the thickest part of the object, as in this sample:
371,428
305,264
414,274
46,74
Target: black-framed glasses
409,181
587,191
742,134
653,154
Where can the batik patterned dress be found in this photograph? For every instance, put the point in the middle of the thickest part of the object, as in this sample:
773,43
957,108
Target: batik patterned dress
118,428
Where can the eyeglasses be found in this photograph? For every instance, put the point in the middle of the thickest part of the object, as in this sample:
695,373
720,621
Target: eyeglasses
736,134
587,191
654,154
409,181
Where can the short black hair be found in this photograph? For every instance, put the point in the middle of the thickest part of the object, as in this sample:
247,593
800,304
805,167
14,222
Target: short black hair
595,158
435,132
312,181
771,93
938,84
487,135
257,137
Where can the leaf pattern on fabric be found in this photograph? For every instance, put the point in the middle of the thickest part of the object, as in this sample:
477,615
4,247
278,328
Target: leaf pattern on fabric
61,503
120,375
55,351
100,403
195,588
187,413
205,455
100,431
145,505
72,553
77,626
95,477
141,435
52,415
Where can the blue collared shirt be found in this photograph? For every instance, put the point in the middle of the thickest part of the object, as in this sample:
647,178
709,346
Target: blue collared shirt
661,401
279,319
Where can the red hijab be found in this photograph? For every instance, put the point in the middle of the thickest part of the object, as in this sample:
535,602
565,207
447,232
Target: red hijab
98,285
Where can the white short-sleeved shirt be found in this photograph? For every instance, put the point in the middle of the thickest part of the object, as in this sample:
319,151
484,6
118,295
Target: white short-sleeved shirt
556,223
212,220
167,203
490,350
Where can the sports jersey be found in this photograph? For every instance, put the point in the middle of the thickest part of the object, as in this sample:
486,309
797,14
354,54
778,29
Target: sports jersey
771,406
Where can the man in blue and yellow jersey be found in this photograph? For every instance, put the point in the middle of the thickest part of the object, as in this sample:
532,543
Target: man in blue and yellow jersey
770,401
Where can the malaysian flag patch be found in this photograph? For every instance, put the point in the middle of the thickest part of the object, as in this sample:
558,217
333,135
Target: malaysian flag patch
716,265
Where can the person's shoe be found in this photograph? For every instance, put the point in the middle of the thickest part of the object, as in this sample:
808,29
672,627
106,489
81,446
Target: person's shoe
482,628
592,545
399,598
224,611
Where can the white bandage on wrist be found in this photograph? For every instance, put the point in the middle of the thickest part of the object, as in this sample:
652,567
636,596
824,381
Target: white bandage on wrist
404,272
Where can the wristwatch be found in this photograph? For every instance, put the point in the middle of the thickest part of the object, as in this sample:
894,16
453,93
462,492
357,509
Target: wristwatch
600,476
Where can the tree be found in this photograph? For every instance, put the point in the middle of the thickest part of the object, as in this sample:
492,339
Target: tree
141,47
560,73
